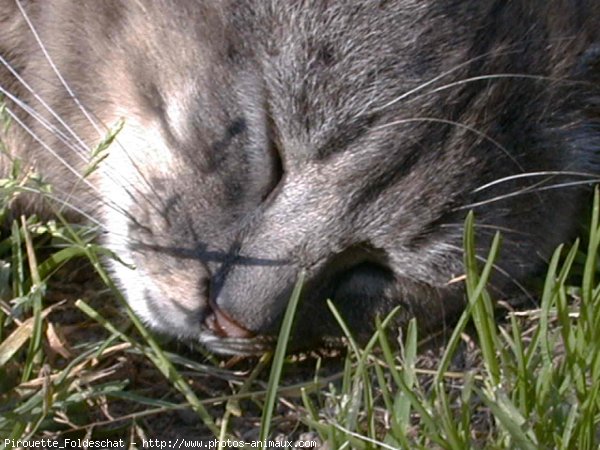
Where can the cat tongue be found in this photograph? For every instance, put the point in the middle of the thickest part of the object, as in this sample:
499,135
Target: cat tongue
221,324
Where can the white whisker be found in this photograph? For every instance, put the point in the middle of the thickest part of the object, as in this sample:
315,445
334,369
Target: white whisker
80,152
64,202
496,76
458,125
534,174
47,125
483,227
55,69
428,83
65,164
31,133
501,271
527,190
37,97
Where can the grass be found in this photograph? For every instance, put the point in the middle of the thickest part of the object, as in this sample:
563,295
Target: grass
86,367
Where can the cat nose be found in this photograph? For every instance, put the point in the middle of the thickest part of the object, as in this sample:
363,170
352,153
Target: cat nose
248,297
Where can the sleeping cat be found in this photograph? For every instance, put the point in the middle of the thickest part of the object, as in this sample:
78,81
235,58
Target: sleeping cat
348,139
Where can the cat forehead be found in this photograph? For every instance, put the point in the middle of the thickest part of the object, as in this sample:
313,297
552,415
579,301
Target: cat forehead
318,70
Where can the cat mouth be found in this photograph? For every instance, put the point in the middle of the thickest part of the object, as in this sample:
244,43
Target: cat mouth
236,346
219,323
221,334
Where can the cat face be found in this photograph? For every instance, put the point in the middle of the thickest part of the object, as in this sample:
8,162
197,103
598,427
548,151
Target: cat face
345,140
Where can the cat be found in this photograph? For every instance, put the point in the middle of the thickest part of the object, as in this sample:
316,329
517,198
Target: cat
255,139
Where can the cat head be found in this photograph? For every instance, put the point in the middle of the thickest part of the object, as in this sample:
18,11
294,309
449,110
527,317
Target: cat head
346,140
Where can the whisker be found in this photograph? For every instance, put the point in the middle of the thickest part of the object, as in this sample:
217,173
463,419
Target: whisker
501,271
45,123
533,174
69,144
499,76
441,76
87,114
66,164
141,176
53,113
430,82
484,227
55,69
64,202
458,125
37,97
528,190
29,131
464,64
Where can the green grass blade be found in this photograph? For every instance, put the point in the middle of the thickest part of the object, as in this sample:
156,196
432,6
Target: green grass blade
483,315
278,359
